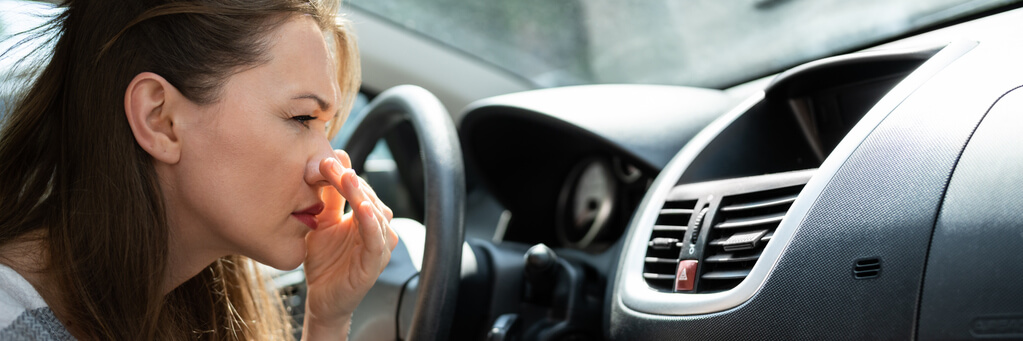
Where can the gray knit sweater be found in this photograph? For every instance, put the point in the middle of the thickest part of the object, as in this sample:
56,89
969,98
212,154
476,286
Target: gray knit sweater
23,314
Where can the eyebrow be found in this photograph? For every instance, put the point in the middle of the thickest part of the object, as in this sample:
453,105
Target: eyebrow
319,101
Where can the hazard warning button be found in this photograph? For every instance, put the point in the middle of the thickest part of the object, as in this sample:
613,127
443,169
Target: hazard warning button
685,276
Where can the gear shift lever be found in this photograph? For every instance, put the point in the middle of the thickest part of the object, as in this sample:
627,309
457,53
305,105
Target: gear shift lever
541,272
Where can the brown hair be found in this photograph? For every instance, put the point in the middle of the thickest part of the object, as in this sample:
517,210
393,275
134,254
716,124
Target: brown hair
71,169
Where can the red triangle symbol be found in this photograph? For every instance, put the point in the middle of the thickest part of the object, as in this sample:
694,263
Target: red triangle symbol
683,276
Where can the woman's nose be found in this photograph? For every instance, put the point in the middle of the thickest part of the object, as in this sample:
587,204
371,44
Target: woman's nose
313,176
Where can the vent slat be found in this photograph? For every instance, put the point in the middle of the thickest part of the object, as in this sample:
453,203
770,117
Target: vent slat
671,228
767,237
732,274
648,275
660,260
661,244
760,204
674,211
731,258
752,221
740,241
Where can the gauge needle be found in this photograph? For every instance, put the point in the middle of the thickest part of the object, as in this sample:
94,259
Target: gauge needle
585,218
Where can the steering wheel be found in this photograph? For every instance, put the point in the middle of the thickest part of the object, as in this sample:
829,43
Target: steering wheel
444,182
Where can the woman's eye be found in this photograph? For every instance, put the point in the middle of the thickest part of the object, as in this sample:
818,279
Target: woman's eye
303,119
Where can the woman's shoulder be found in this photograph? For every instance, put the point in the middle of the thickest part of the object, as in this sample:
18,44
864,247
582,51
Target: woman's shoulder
23,313
16,296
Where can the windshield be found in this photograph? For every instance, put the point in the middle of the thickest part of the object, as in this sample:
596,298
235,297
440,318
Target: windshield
705,43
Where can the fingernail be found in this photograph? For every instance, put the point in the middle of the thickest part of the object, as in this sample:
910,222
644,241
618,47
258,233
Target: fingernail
335,165
353,180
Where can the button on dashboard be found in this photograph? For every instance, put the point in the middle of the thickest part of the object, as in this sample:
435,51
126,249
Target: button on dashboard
685,275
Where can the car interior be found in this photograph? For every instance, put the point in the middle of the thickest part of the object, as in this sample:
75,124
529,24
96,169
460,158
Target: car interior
865,192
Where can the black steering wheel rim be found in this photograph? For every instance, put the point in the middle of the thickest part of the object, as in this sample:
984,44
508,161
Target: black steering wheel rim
444,189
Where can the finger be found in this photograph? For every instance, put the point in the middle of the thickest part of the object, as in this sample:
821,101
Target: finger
385,231
342,156
369,230
392,238
333,200
386,212
350,187
357,191
353,189
390,241
333,206
346,161
379,210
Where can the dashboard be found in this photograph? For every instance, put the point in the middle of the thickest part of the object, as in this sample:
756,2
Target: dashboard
596,168
572,175
838,200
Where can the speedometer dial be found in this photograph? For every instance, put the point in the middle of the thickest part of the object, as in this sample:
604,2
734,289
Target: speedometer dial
586,203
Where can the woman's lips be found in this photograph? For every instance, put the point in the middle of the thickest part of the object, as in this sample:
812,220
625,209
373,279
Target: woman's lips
308,215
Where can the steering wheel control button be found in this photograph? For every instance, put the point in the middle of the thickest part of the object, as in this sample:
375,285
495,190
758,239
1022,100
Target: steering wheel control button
685,276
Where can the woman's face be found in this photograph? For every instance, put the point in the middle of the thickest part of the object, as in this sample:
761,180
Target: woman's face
249,162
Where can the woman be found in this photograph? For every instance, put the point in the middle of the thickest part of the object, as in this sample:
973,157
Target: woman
167,146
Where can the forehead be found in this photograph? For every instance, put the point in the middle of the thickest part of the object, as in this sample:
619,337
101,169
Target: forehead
299,63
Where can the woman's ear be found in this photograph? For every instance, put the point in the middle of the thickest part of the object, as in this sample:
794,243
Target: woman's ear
146,103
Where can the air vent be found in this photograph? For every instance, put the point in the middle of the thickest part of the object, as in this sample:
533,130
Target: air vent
742,226
665,244
867,268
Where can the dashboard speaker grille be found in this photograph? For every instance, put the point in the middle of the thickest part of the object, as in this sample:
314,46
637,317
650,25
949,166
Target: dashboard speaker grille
743,225
665,244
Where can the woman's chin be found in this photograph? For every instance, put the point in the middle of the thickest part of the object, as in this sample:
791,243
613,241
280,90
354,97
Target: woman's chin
285,259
